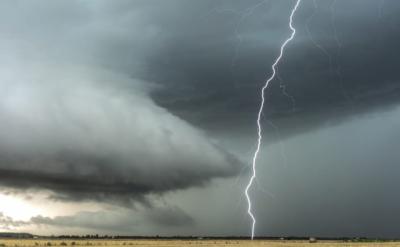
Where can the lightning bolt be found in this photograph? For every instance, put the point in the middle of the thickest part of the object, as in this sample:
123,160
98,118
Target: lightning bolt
259,129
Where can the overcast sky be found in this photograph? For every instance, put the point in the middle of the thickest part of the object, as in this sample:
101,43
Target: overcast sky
138,117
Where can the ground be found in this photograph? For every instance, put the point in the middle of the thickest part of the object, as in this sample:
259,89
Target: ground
183,243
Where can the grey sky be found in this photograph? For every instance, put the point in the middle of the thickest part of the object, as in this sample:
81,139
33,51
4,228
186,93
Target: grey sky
147,109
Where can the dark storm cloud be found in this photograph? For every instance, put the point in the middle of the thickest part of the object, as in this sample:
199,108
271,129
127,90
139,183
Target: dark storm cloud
75,123
348,65
208,59
84,140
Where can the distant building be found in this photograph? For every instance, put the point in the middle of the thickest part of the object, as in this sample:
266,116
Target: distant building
312,240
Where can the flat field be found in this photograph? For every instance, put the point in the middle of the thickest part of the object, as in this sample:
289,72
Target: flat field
184,243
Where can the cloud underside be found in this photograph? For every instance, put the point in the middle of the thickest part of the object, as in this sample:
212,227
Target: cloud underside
84,140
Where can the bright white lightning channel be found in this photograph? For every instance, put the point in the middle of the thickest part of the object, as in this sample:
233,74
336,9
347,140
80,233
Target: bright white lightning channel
259,129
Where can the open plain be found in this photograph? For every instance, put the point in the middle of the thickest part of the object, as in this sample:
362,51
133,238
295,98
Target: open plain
184,243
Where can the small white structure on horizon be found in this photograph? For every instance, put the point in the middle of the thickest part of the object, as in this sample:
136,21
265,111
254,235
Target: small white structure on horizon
312,240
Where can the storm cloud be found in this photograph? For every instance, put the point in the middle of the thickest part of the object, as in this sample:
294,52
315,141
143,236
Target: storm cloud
128,101
316,83
206,61
83,139
78,128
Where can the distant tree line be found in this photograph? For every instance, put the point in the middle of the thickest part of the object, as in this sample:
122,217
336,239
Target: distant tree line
15,235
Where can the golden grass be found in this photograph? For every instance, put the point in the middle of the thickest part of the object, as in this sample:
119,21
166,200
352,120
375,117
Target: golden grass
183,243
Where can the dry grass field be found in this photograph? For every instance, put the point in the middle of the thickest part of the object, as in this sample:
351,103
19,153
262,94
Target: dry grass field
184,243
